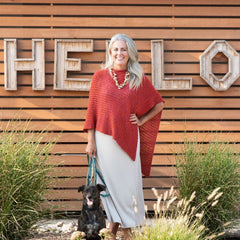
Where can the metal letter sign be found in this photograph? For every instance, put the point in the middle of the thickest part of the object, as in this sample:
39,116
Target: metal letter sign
206,73
36,64
63,64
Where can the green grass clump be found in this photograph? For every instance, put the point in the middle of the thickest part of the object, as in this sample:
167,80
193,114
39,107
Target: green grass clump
23,179
203,166
176,219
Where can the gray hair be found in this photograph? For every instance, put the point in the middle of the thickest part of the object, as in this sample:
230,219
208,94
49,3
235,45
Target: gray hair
133,67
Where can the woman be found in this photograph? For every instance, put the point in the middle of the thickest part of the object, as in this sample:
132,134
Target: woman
122,121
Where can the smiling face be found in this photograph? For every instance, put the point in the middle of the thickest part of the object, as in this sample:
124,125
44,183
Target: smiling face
120,56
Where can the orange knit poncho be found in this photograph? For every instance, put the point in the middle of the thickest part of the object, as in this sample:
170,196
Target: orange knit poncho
109,111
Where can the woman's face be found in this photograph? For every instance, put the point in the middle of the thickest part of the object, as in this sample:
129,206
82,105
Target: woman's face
119,53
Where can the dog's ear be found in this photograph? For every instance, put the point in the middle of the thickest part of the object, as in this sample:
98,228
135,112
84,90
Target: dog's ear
101,187
80,189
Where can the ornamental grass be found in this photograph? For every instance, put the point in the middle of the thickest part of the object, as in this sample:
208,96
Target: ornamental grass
24,178
176,219
203,166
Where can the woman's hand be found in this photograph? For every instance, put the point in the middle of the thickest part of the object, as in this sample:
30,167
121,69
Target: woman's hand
91,148
135,120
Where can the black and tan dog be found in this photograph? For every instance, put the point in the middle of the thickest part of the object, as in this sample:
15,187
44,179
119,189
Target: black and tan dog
92,219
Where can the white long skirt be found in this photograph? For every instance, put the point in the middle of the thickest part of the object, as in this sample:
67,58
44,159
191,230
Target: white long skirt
123,179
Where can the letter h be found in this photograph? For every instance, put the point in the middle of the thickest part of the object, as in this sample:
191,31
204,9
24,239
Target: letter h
12,64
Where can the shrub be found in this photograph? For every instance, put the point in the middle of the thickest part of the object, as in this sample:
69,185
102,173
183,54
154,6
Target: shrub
175,220
204,166
23,179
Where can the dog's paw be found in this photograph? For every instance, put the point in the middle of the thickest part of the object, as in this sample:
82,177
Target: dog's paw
105,233
78,235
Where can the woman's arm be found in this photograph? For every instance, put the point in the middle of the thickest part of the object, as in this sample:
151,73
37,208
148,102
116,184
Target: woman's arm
149,115
91,146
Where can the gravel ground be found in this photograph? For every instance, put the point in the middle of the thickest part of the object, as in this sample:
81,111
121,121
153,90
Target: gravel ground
62,229
61,236
51,236
66,236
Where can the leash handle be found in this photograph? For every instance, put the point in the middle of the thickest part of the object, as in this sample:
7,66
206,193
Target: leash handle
93,173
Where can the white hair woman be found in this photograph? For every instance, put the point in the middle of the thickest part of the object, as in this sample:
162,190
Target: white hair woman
133,66
122,122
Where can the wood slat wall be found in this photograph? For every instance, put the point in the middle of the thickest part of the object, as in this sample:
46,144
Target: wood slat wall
187,27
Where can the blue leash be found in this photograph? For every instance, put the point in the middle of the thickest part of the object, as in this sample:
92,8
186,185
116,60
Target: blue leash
93,173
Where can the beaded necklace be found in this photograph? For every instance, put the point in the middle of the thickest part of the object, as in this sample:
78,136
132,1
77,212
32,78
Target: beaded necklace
126,79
